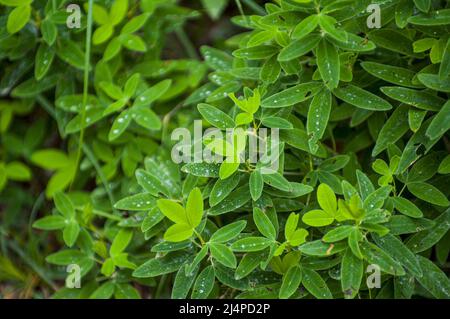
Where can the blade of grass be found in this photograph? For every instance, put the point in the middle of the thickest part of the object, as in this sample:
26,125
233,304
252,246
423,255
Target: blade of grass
32,264
255,7
87,57
187,43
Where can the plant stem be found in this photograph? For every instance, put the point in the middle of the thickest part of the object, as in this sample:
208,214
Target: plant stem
87,56
100,173
187,44
160,286
37,269
254,6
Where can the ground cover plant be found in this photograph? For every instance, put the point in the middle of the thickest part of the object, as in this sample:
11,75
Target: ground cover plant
109,107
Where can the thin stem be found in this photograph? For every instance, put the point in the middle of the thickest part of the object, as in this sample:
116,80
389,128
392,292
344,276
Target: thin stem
160,286
402,190
199,237
93,160
254,6
37,269
46,105
187,44
241,10
87,57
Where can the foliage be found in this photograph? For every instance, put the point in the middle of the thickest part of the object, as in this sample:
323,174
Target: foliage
363,165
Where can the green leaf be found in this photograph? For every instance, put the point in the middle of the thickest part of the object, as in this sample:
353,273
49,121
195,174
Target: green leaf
327,199
120,124
183,283
50,223
432,81
194,207
375,255
133,42
406,207
352,269
397,250
214,7
65,257
434,279
248,263
135,24
256,184
440,123
172,210
338,234
277,122
256,53
291,281
427,238
305,27
250,244
102,34
270,70
202,169
293,95
105,291
120,242
361,98
416,118
298,48
150,183
315,285
222,188
70,233
216,59
215,116
444,167
18,18
428,193
440,17
353,242
264,224
146,118
390,73
69,52
423,5
160,266
64,205
126,291
318,218
236,199
118,11
365,185
394,128
319,248
198,258
228,168
18,171
444,69
153,93
228,232
223,254
204,284
419,99
49,31
136,202
278,181
328,63
44,60
317,120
